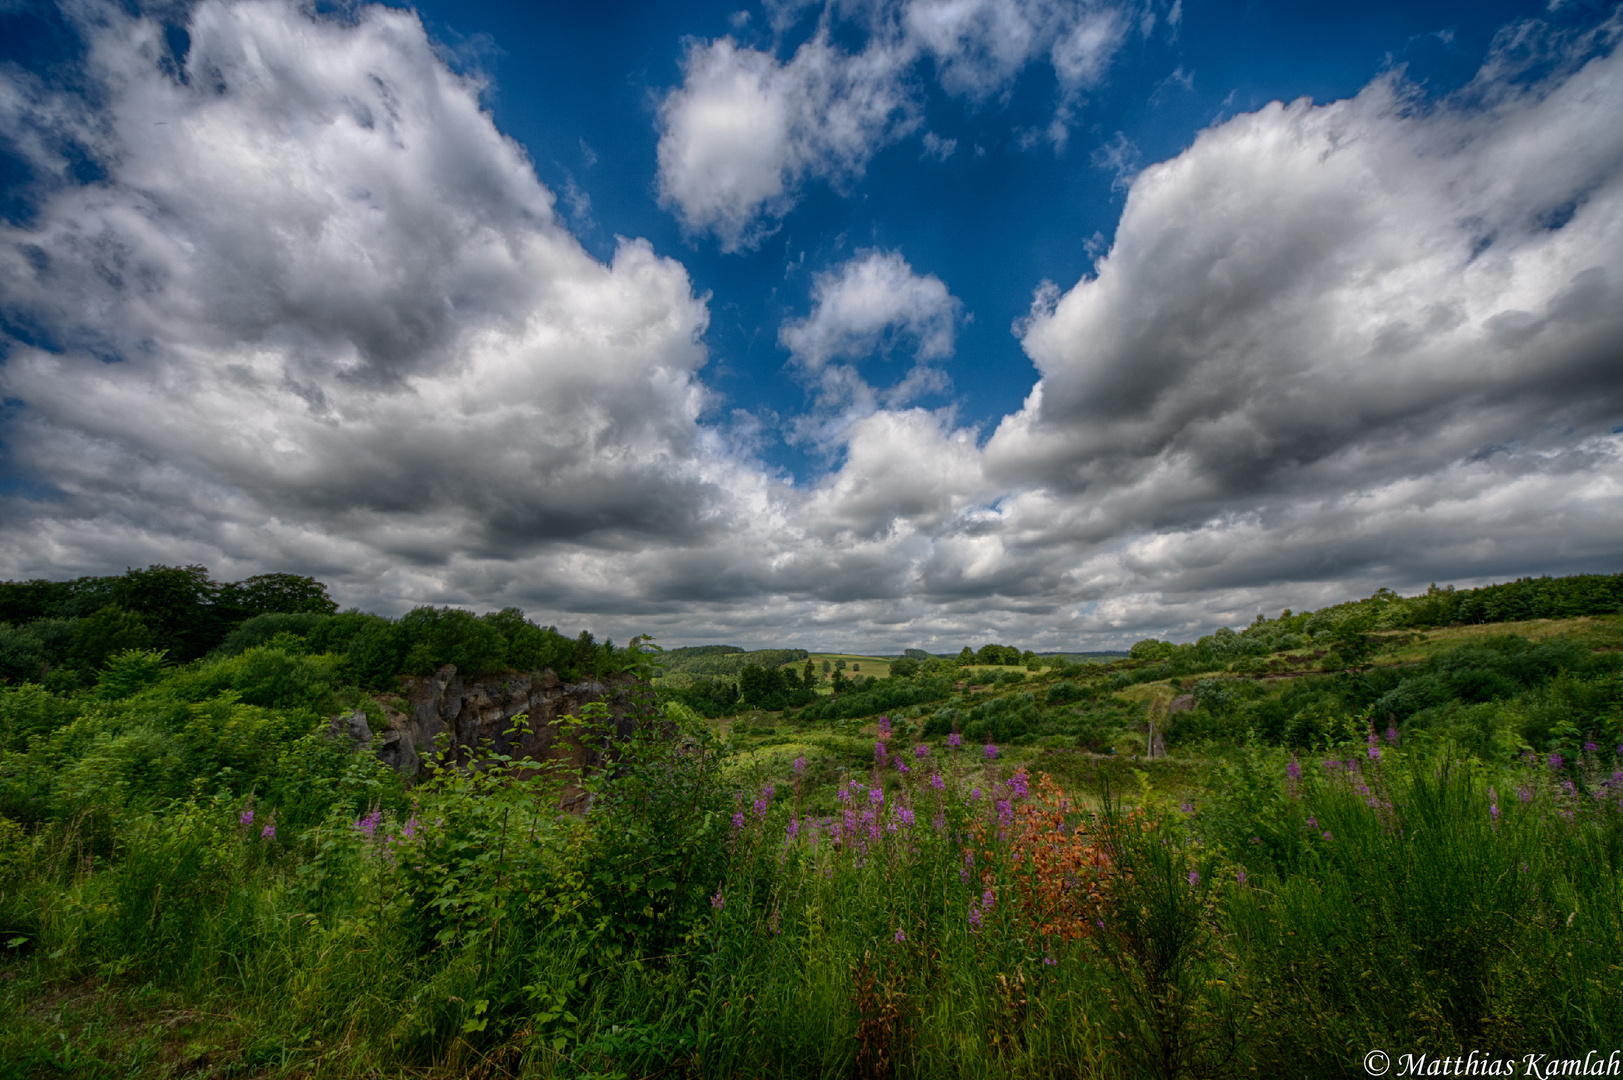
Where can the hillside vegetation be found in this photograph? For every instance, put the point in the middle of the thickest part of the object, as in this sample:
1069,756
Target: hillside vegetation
1396,824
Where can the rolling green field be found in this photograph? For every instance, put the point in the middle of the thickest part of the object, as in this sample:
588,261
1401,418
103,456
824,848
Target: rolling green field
1371,829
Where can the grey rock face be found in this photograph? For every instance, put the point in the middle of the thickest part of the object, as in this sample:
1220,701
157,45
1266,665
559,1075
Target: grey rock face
352,726
476,718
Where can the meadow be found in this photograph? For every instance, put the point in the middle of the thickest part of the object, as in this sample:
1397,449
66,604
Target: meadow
1379,827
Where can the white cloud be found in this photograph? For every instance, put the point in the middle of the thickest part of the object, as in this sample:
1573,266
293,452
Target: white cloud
979,46
873,302
872,305
1121,157
938,149
744,130
1336,340
320,296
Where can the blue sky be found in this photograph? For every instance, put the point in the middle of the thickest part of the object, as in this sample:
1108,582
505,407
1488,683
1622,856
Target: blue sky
872,324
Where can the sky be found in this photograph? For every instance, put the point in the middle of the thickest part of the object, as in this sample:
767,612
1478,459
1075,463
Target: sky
871,325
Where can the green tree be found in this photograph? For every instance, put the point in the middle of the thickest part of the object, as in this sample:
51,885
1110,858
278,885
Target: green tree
808,677
905,668
108,631
283,594
22,655
177,605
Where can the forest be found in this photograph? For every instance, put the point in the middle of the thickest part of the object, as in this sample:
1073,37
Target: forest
1394,824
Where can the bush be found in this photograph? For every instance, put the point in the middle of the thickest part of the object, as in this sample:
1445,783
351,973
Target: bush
262,628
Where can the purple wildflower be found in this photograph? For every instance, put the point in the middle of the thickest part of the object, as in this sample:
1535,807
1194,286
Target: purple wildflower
1239,876
1525,794
1392,734
1327,835
1374,747
956,740
987,899
246,818
884,726
1557,762
1005,813
1187,807
368,825
800,764
975,793
718,901
905,816
738,822
936,782
1194,877
991,751
268,832
1050,961
921,751
876,796
901,766
879,752
1589,746
1313,823
975,920
794,828
900,937
1293,769
1017,784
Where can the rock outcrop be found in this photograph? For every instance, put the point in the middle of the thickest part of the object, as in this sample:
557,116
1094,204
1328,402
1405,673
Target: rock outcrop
476,717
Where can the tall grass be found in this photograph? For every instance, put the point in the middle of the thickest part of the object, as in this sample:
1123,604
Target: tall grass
948,918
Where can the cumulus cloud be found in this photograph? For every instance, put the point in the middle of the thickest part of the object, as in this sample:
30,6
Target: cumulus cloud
872,302
979,46
1332,339
318,295
872,305
744,129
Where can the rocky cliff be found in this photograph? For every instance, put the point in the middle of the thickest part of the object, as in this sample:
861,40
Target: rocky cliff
479,714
